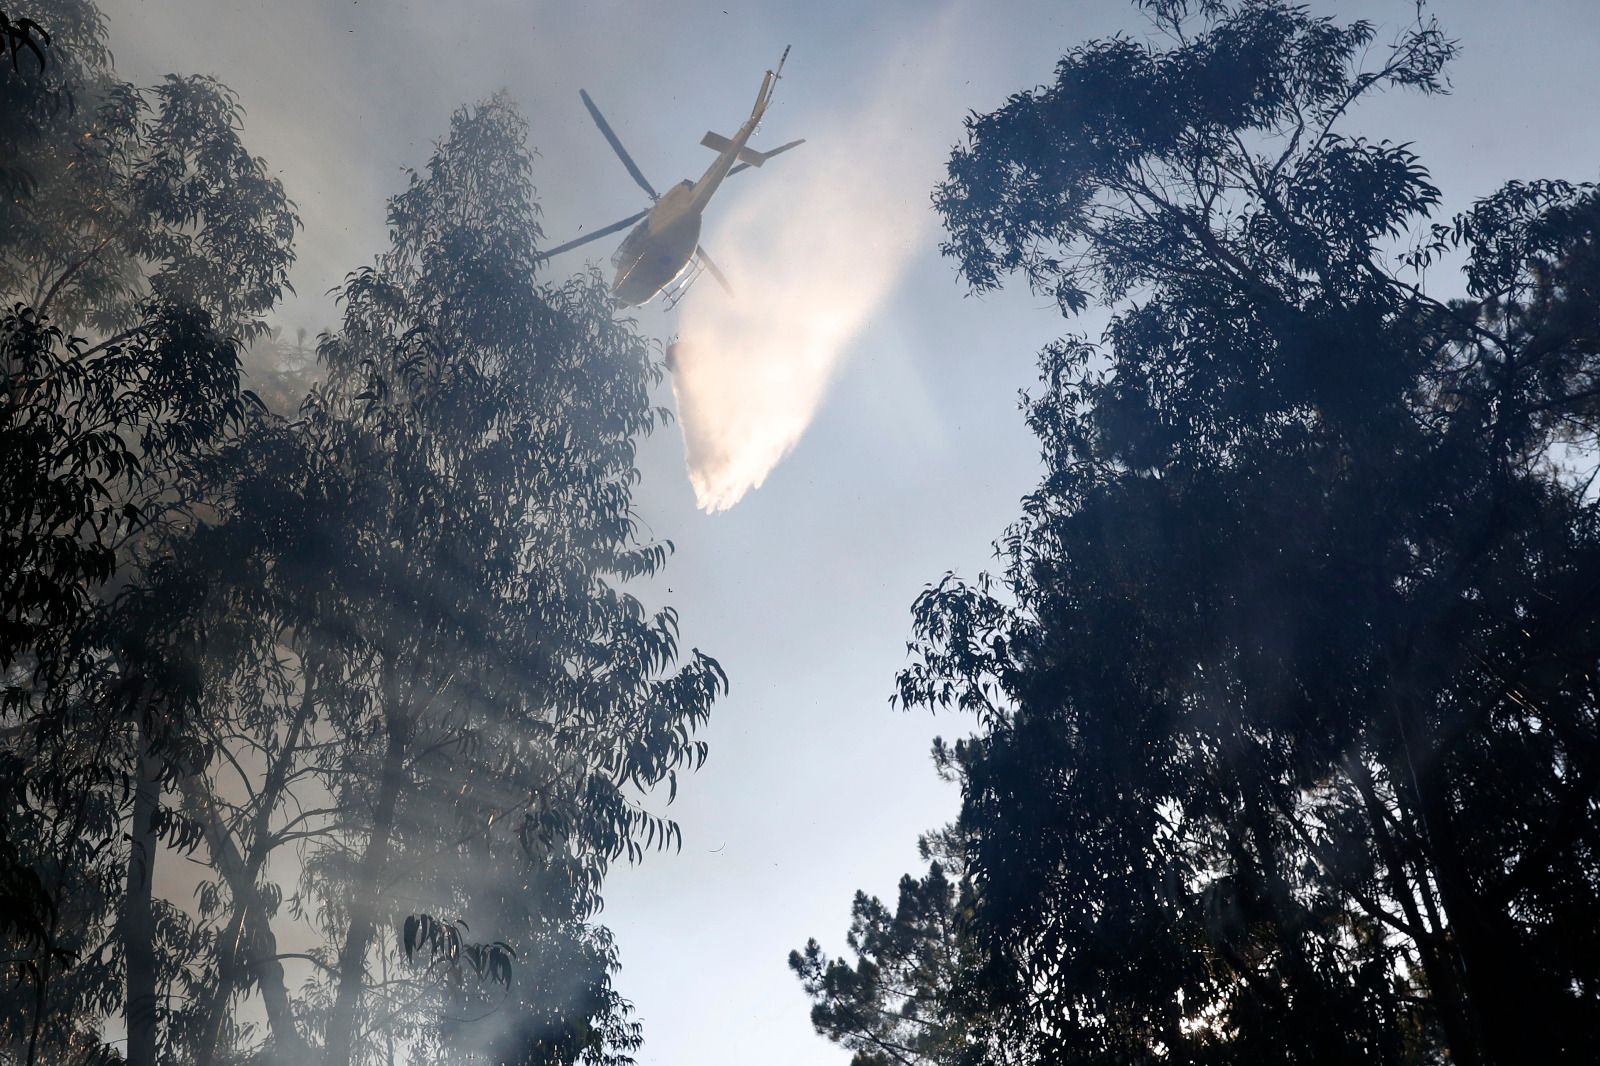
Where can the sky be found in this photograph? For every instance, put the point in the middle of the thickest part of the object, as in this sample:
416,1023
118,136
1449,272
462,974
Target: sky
848,426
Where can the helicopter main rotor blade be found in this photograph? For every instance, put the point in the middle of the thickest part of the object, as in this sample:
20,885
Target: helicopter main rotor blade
768,155
596,235
706,259
616,145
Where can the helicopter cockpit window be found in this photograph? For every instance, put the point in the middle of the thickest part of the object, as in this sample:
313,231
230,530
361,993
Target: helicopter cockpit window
629,251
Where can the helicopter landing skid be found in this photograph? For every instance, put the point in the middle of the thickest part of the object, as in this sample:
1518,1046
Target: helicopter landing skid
679,287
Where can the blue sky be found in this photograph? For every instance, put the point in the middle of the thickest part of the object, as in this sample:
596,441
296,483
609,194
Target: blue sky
914,458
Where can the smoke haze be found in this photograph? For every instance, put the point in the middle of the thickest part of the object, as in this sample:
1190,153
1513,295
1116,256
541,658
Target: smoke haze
815,247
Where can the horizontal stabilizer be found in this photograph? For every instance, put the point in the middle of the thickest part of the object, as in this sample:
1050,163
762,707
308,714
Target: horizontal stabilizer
770,153
718,143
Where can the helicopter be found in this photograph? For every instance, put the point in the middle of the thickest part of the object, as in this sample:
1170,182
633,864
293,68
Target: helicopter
663,250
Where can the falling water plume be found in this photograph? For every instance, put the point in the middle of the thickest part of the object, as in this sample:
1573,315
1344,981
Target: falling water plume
814,250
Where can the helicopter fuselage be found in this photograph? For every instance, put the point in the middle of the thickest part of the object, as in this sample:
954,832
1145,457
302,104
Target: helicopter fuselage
659,248
663,243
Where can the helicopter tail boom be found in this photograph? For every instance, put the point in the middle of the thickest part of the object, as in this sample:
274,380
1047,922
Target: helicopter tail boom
733,148
768,84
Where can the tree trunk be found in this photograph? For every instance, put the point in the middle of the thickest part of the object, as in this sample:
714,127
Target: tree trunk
1444,979
229,952
1517,1006
138,915
249,934
259,942
364,905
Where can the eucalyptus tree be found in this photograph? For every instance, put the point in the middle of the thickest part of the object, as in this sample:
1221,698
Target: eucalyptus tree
25,92
1287,721
472,706
138,240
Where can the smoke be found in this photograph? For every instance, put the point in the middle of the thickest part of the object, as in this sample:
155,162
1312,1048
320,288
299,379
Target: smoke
813,250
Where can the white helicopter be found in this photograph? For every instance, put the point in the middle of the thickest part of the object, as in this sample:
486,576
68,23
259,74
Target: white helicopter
663,251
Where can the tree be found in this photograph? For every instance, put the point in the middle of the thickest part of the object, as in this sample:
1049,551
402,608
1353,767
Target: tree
368,662
904,1000
1287,719
470,706
27,94
138,241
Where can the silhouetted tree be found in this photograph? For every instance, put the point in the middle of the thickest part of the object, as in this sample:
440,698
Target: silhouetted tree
906,1000
374,666
448,664
138,240
1287,708
26,92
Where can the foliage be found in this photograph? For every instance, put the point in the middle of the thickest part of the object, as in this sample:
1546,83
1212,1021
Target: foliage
366,659
97,438
281,369
26,92
905,1000
15,35
135,193
433,551
138,239
1286,703
477,432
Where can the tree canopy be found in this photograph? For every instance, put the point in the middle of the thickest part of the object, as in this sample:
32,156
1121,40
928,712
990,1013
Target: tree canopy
1285,695
361,667
325,716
